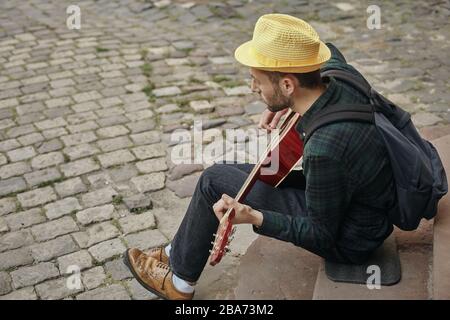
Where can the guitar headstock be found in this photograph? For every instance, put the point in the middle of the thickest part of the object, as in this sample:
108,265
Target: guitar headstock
223,237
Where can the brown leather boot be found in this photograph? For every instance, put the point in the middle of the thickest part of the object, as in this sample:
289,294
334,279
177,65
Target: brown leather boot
153,275
159,254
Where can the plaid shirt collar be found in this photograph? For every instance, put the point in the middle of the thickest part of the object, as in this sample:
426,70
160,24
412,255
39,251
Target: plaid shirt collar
318,105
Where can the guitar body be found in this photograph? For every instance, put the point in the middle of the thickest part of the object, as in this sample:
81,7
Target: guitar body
279,159
287,153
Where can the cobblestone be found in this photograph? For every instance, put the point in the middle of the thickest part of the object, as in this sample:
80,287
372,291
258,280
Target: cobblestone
70,187
79,138
62,207
98,197
81,259
56,289
47,160
7,205
115,158
113,144
21,294
148,137
53,229
42,176
36,197
80,151
28,276
95,214
21,154
15,239
107,249
14,169
117,270
15,258
53,248
112,292
150,151
152,165
5,283
24,219
137,222
138,292
146,239
79,167
93,278
96,233
149,182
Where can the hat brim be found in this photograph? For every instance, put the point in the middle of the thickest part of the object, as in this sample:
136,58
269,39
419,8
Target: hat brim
244,54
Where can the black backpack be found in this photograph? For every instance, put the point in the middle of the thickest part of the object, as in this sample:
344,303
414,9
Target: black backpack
418,172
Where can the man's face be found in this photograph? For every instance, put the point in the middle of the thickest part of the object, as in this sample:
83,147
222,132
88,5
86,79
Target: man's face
269,91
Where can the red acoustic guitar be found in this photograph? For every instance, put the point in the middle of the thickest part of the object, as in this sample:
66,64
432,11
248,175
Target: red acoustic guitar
283,153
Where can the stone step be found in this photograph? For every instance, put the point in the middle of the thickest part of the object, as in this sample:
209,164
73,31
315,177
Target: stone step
415,263
218,282
273,269
441,241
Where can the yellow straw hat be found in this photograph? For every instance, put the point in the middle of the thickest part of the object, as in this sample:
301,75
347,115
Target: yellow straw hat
283,43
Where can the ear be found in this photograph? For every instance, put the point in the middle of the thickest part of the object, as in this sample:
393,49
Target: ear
288,83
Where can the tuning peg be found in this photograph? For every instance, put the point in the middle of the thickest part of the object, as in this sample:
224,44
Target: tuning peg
212,242
210,251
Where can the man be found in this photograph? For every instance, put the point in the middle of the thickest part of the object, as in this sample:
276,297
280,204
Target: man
336,208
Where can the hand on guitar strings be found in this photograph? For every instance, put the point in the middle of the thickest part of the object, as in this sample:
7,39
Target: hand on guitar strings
243,213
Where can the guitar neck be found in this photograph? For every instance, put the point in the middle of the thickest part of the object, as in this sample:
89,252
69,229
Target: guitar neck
290,120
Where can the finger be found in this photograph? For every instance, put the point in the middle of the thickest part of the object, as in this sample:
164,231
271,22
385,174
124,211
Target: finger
267,127
263,124
232,203
276,119
228,200
266,118
219,209
220,206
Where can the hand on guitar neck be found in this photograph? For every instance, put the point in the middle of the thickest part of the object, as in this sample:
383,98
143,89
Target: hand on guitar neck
243,213
269,120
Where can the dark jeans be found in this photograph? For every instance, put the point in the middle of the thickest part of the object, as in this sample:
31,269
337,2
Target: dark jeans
192,242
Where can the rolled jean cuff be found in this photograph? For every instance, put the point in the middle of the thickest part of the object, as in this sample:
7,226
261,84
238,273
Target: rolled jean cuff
181,275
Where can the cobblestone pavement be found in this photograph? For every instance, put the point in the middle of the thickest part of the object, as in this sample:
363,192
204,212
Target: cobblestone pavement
86,117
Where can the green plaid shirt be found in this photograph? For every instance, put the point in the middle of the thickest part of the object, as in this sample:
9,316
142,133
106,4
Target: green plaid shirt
349,182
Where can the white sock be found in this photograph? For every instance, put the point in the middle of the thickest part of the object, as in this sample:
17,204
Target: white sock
167,249
182,285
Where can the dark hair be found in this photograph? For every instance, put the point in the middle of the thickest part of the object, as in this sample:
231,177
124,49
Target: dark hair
309,80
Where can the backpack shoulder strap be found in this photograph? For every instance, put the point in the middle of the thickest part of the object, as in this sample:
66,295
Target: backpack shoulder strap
396,115
339,113
359,82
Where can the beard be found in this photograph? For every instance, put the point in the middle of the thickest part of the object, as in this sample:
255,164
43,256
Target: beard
278,101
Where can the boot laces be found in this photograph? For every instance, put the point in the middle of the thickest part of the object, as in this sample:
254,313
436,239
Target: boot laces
165,268
155,249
